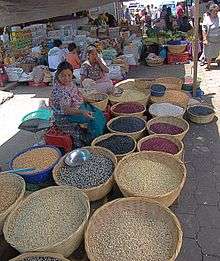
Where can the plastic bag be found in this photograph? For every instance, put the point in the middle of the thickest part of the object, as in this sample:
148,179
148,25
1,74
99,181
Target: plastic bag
115,72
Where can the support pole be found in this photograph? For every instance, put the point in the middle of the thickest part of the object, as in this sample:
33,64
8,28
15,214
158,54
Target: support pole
195,46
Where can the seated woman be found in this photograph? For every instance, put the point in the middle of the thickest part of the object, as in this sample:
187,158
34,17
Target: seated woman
73,57
94,68
67,101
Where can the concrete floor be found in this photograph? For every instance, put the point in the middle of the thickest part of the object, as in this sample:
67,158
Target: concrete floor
198,208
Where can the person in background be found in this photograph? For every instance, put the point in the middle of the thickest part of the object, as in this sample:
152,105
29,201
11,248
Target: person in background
180,12
95,69
148,10
56,55
127,16
72,57
137,19
211,34
146,20
154,14
111,20
169,19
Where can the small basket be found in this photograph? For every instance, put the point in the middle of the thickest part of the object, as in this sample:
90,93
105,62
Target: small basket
201,119
176,49
116,114
106,136
101,104
14,180
176,165
171,96
22,257
94,193
181,123
66,195
157,90
136,135
140,208
171,83
178,143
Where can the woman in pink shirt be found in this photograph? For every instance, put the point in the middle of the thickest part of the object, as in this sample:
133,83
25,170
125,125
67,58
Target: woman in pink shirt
72,57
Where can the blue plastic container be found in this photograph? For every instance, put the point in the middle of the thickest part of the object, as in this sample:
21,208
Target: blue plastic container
157,90
37,177
43,114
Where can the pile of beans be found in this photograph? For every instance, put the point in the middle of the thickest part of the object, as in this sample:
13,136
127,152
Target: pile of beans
117,144
127,124
47,218
129,107
136,232
165,128
40,258
165,109
159,144
37,158
147,178
201,110
92,173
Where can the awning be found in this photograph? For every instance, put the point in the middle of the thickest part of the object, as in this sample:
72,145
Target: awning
22,11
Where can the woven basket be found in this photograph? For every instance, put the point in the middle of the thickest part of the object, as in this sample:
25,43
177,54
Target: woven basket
140,207
64,247
171,96
136,135
200,119
140,84
155,110
115,114
106,136
153,63
39,254
171,83
91,98
179,144
94,193
181,123
176,49
14,180
176,165
130,95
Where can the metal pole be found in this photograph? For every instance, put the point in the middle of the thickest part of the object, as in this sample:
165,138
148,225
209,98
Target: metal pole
195,45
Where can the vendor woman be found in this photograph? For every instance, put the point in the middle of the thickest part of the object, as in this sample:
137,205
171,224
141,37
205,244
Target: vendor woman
95,69
67,101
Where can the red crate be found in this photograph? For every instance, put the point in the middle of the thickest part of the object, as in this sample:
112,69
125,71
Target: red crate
181,58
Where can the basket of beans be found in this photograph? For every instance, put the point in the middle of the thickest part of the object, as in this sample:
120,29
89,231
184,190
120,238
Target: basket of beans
128,108
100,100
40,256
166,109
94,176
201,114
174,126
162,142
41,159
133,229
49,220
12,189
140,84
151,174
171,83
119,144
178,98
129,125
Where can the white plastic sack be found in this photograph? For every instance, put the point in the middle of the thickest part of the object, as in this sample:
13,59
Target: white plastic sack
76,74
134,50
130,59
115,72
13,73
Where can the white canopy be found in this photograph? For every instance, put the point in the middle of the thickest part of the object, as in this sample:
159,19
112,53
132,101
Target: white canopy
22,11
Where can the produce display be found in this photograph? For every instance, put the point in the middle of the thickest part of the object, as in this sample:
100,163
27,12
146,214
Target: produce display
129,107
166,109
165,128
127,124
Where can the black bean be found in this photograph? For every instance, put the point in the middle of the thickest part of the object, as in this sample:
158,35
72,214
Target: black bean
127,124
201,110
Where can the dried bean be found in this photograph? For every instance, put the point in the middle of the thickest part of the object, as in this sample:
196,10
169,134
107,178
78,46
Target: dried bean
40,258
160,144
127,124
118,144
165,109
165,128
92,173
129,107
201,110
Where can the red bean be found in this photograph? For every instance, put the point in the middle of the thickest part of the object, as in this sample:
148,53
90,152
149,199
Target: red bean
129,107
165,128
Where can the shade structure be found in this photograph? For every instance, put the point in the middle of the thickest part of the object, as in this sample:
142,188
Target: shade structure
22,11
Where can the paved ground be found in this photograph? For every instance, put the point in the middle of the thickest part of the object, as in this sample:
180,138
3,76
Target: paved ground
198,208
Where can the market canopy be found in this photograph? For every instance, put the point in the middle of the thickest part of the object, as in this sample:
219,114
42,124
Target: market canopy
22,11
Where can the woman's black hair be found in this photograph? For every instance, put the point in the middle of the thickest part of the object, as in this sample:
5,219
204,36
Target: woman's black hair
71,47
63,66
57,43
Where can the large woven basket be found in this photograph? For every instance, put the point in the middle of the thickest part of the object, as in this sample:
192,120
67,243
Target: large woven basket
174,164
140,84
201,119
115,114
176,49
102,97
171,83
94,193
178,143
172,96
106,136
137,249
181,123
66,195
130,95
136,135
23,257
14,181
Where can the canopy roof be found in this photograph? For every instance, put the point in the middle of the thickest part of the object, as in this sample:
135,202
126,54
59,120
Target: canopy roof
22,11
